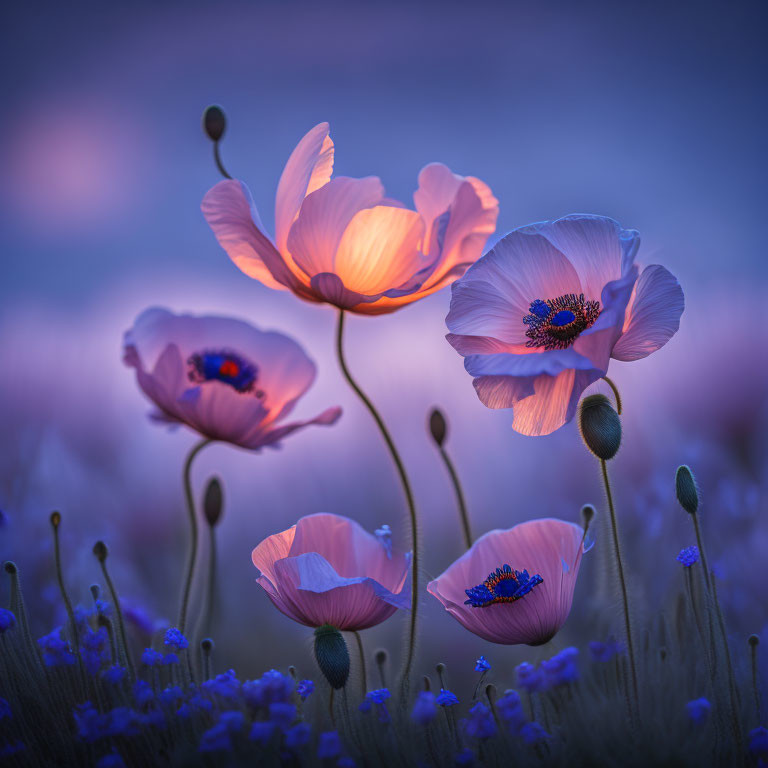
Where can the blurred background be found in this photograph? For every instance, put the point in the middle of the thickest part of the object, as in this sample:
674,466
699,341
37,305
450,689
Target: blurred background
653,114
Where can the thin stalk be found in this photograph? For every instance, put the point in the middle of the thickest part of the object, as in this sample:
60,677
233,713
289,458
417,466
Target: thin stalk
120,620
210,598
363,675
217,160
616,394
622,579
755,681
408,496
187,588
460,500
700,544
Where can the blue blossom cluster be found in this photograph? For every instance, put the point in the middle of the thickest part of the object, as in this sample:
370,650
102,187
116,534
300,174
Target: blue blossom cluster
561,669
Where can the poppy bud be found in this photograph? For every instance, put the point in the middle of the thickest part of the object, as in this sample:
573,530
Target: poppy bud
332,655
753,640
685,487
587,515
214,122
10,567
206,644
438,426
213,501
55,519
101,551
600,426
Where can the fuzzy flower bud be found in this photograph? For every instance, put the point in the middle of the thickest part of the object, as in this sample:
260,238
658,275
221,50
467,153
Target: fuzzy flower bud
687,492
438,427
600,426
213,501
332,655
214,122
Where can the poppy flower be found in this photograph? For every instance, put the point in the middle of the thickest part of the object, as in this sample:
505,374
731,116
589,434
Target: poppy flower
222,377
328,570
515,586
539,317
341,241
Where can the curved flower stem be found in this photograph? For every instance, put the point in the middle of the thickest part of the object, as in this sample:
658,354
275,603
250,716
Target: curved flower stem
616,394
460,500
406,489
187,588
210,598
622,579
217,160
363,674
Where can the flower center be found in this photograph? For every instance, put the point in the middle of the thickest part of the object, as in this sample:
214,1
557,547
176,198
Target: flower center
504,585
555,323
225,366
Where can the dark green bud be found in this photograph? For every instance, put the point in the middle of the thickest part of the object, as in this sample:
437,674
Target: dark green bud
10,567
55,519
587,516
332,655
600,426
206,645
213,503
438,427
753,640
214,122
101,551
687,492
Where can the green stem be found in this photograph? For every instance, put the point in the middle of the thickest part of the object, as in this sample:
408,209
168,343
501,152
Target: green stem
616,394
622,579
464,515
193,531
210,600
406,489
217,160
363,674
120,620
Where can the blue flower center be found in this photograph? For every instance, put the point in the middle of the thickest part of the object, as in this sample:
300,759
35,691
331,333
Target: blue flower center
563,317
555,323
227,367
504,585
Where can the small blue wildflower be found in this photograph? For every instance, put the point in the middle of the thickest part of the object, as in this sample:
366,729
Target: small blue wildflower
56,652
562,668
93,649
233,721
424,709
272,686
137,616
533,733
91,724
7,620
5,710
151,657
13,748
384,535
153,718
297,736
226,685
482,664
379,695
688,556
169,658
305,688
446,699
122,721
465,757
103,608
328,745
200,703
175,639
142,693
114,674
111,760
510,710
529,677
758,743
261,731
216,739
604,652
82,615
170,695
480,723
282,714
698,710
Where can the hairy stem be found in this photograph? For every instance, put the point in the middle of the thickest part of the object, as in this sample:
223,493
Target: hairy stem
193,545
464,515
616,394
406,490
363,674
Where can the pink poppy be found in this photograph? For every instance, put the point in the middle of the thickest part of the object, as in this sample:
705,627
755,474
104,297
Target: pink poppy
539,317
341,241
515,586
222,377
327,569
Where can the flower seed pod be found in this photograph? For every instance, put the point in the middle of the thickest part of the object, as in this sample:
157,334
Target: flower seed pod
213,501
437,426
101,551
332,655
687,492
214,122
600,426
587,516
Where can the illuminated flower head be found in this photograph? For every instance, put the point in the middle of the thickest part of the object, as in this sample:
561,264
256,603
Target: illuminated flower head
509,606
222,377
328,570
341,241
539,317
